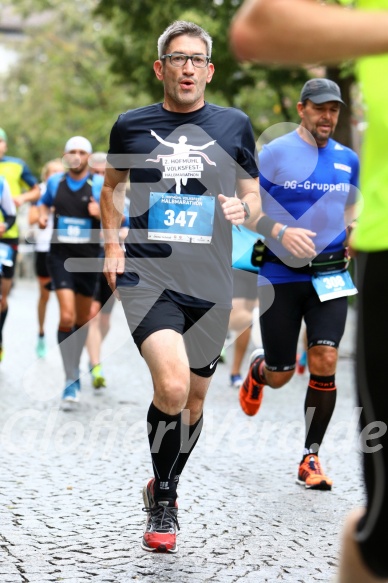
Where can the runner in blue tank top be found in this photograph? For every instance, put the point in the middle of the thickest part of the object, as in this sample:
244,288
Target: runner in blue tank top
75,243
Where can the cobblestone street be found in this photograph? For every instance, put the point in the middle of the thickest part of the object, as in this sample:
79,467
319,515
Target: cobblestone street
70,494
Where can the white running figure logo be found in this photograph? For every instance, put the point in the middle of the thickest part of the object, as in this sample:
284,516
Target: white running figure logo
181,150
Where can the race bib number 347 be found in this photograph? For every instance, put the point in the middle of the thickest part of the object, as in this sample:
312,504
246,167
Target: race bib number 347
185,218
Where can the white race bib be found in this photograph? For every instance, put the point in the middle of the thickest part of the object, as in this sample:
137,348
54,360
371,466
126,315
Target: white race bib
74,230
333,285
185,218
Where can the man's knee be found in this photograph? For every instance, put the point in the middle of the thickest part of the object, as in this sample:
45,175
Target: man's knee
276,379
172,390
322,359
67,319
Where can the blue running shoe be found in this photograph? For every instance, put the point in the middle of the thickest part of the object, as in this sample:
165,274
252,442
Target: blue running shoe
41,347
236,381
71,392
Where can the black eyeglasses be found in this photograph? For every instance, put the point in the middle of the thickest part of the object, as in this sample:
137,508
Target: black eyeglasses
180,59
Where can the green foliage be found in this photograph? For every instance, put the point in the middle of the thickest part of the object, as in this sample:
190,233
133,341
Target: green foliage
92,59
61,86
267,95
133,42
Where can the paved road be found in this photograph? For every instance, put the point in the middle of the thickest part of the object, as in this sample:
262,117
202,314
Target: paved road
70,489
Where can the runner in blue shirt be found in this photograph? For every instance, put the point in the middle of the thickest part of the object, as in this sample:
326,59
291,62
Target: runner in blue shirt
75,242
308,186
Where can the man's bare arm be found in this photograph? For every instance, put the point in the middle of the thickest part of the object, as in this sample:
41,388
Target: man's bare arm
112,203
112,207
31,195
247,191
305,31
43,211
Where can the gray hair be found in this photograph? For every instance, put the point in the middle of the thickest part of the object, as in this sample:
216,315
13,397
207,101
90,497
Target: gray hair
47,169
179,28
97,158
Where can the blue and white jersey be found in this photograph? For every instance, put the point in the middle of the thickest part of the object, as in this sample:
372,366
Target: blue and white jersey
7,219
7,206
74,185
309,187
76,233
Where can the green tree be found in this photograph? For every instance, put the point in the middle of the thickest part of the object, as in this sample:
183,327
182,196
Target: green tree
93,59
135,33
61,85
266,95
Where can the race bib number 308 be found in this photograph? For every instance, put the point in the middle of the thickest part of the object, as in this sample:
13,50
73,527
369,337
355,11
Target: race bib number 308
333,285
185,218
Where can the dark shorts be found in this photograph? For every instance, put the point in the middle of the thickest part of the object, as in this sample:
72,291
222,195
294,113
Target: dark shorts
203,329
280,321
103,294
9,271
80,283
41,268
244,284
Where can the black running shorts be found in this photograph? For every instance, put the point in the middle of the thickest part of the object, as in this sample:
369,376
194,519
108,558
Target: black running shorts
280,321
203,328
81,283
41,268
103,294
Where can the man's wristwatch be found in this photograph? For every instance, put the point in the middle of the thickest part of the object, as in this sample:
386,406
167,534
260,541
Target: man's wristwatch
246,210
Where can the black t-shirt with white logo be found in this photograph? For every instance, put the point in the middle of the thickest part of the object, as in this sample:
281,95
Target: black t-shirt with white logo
179,239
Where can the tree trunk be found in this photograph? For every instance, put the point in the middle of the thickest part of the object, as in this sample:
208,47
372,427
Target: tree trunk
343,132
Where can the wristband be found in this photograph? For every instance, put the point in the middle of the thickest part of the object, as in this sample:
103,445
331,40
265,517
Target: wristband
9,221
265,225
279,236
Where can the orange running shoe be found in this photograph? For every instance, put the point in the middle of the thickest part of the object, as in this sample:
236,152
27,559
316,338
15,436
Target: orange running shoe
251,392
161,523
311,475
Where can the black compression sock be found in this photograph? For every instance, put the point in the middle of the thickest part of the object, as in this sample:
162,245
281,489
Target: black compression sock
320,398
190,436
164,435
3,316
67,348
258,371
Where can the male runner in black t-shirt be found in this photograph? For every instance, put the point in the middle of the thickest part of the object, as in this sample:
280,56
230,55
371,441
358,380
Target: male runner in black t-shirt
175,278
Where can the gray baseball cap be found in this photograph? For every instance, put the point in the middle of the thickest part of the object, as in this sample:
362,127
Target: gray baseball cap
320,91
